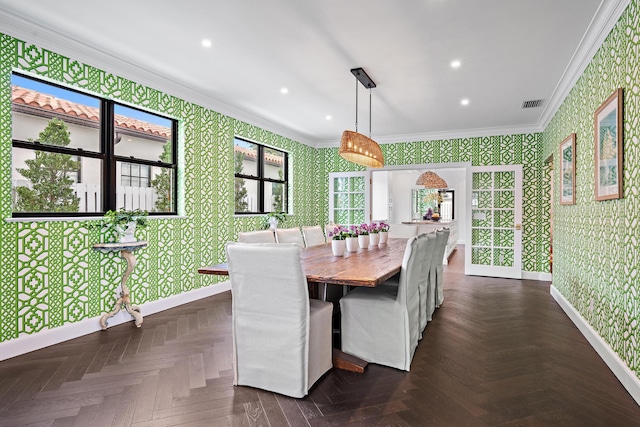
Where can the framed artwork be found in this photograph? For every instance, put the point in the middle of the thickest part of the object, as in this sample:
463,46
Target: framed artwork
568,170
608,148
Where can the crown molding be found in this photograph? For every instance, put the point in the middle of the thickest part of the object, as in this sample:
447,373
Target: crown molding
606,17
32,32
601,25
433,136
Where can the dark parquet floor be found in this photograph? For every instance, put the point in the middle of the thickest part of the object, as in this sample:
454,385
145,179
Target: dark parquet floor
499,352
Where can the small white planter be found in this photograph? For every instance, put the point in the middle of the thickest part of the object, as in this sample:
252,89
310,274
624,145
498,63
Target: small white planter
128,234
374,239
352,244
338,247
384,237
273,223
363,241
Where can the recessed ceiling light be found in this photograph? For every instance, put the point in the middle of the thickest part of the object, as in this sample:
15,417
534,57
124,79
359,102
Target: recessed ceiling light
328,117
455,64
206,43
464,102
284,90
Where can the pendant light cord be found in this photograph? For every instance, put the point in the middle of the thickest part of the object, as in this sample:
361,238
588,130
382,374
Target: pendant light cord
356,105
369,113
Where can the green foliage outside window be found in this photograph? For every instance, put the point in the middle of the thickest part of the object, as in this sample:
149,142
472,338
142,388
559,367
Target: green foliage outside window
240,192
49,175
162,183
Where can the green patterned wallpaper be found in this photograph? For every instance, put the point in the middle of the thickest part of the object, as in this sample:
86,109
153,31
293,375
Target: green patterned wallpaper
597,244
50,276
486,151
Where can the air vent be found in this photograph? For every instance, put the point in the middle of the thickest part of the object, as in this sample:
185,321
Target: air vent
532,104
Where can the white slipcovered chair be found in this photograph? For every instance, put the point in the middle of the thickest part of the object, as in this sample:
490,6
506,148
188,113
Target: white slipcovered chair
313,235
426,249
281,339
442,236
289,235
262,236
404,231
380,325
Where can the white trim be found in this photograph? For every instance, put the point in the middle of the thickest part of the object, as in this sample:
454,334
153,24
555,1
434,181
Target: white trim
625,375
605,18
27,343
536,275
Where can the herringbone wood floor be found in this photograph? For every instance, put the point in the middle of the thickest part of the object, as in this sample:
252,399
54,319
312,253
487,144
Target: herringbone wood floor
498,352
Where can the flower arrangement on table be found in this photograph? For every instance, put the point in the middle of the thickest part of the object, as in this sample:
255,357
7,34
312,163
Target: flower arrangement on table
382,227
364,229
339,233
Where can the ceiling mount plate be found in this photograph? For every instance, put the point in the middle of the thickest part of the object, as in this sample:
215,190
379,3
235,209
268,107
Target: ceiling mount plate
363,78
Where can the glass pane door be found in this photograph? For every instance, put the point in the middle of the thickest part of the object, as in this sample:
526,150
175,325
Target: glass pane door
349,198
494,234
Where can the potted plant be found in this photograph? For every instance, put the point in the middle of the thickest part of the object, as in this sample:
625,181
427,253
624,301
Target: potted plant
363,236
338,240
374,234
272,219
352,239
124,223
383,228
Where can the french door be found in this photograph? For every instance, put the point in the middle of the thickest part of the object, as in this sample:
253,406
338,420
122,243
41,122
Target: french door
349,197
494,218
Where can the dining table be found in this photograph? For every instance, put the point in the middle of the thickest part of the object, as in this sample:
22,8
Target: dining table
367,267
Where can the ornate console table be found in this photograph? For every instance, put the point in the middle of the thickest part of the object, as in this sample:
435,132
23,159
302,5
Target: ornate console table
126,251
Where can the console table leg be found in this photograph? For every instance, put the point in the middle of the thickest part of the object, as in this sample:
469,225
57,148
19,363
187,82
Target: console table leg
116,309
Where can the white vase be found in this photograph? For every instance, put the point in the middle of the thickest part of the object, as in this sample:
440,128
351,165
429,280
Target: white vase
352,244
338,247
374,239
384,237
363,241
273,223
128,234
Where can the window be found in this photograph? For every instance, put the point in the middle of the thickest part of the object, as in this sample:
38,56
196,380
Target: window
260,178
78,154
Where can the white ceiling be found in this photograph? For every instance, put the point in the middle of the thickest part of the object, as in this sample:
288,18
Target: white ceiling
511,51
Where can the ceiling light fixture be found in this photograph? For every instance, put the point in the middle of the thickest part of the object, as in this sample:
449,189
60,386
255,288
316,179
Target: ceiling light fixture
455,64
464,102
284,90
328,117
431,180
206,43
356,147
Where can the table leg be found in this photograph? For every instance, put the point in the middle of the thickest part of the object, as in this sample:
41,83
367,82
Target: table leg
124,301
342,360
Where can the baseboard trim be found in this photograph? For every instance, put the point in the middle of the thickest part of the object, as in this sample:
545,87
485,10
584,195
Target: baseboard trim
28,343
535,275
625,375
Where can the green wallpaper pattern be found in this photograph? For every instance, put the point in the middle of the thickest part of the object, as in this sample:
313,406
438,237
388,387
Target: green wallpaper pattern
486,151
50,276
597,244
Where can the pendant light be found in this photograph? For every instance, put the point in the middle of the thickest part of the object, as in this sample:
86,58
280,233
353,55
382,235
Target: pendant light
356,147
431,180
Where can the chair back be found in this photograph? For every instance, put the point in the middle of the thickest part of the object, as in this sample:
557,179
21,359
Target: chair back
289,235
436,265
262,236
426,247
404,231
408,290
270,310
313,235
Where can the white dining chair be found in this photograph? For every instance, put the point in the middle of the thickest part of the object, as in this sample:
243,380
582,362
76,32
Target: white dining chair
313,235
380,325
426,249
281,338
404,231
442,237
261,236
290,235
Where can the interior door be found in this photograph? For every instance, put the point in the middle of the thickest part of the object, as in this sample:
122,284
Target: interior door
494,218
349,198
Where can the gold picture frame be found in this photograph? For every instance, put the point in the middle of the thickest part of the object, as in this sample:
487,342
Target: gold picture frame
568,170
608,148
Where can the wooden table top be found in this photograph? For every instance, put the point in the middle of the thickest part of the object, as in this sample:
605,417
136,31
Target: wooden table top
366,267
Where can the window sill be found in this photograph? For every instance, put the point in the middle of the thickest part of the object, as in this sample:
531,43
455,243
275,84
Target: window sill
82,218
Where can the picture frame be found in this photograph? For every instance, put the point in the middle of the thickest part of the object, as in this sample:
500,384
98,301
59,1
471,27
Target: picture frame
568,170
608,142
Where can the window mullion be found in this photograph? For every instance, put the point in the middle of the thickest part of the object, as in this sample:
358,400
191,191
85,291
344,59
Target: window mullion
107,136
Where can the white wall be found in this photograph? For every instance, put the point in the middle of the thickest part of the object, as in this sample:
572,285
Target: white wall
380,195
